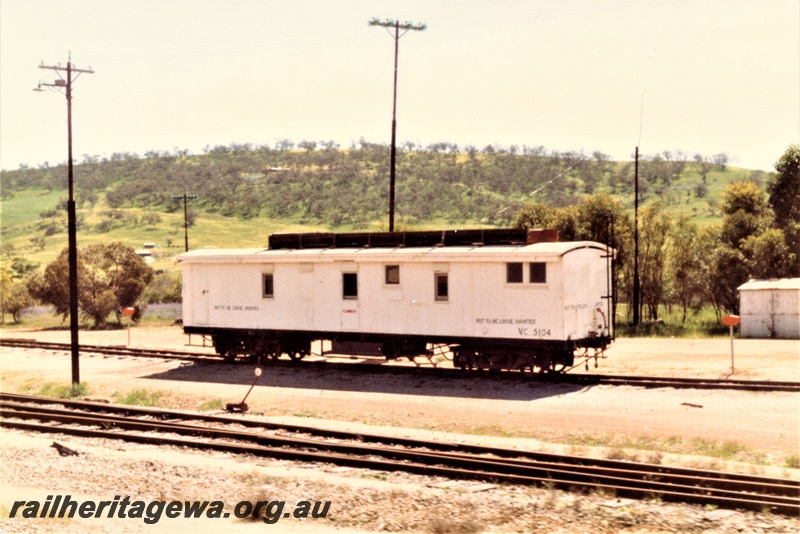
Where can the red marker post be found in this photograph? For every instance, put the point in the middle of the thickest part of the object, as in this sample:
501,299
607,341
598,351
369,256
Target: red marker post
128,312
730,321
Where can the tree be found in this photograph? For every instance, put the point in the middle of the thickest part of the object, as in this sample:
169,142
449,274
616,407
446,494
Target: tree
588,220
284,145
784,197
724,269
745,196
704,166
621,178
21,268
745,212
721,161
685,265
736,244
110,277
536,215
308,146
164,288
14,296
700,189
784,189
768,256
655,227
591,220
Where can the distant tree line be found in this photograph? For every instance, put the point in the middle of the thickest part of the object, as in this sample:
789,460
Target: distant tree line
320,182
680,264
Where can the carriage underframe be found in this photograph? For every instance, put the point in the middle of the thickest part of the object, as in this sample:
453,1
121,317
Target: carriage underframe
491,354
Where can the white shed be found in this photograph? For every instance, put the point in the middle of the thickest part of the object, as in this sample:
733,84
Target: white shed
770,308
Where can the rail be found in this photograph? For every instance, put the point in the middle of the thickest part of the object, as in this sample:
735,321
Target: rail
430,458
376,366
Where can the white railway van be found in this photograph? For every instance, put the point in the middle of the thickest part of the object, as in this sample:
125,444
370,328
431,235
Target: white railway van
497,299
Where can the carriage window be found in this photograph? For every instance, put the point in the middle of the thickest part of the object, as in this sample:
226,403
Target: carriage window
267,286
441,286
514,273
350,285
393,274
538,272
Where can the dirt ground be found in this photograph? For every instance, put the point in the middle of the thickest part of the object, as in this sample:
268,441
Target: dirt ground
466,406
758,359
637,423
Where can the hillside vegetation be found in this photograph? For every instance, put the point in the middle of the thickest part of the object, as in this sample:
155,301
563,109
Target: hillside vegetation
244,193
703,228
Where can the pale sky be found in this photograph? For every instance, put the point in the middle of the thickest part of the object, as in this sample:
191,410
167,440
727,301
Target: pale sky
701,76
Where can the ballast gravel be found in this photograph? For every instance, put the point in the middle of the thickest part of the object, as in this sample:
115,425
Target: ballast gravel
361,500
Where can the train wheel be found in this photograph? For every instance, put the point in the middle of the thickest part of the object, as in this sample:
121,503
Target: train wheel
498,362
391,350
262,350
464,360
222,345
518,363
266,357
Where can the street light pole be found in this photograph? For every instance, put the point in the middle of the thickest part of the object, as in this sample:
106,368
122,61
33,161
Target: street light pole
71,217
406,26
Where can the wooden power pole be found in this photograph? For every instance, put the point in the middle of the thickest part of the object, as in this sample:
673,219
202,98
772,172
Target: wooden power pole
72,258
185,197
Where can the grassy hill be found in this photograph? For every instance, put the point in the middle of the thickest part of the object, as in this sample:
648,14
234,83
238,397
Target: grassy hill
244,194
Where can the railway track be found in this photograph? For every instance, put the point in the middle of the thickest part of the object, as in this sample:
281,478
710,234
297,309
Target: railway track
111,350
453,461
365,366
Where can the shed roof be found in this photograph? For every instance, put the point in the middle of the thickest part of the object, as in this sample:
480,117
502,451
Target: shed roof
783,283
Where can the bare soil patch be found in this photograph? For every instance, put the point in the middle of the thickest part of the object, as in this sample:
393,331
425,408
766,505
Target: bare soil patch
745,432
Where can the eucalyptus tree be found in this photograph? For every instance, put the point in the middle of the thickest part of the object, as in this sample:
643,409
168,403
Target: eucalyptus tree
110,278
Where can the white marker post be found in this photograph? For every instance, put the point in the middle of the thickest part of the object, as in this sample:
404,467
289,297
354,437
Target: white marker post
128,312
730,321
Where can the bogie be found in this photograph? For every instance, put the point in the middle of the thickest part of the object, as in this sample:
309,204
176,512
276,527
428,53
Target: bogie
512,361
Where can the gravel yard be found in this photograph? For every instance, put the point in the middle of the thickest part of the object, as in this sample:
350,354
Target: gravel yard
745,432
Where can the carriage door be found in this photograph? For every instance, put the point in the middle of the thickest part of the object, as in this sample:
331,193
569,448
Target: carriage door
201,299
307,293
350,287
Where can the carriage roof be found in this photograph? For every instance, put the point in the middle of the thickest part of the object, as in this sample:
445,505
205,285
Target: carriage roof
544,251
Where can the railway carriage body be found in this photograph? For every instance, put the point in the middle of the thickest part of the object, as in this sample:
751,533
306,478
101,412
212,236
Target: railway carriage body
512,305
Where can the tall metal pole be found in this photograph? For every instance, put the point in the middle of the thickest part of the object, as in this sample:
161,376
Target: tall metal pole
406,26
72,257
636,240
393,157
